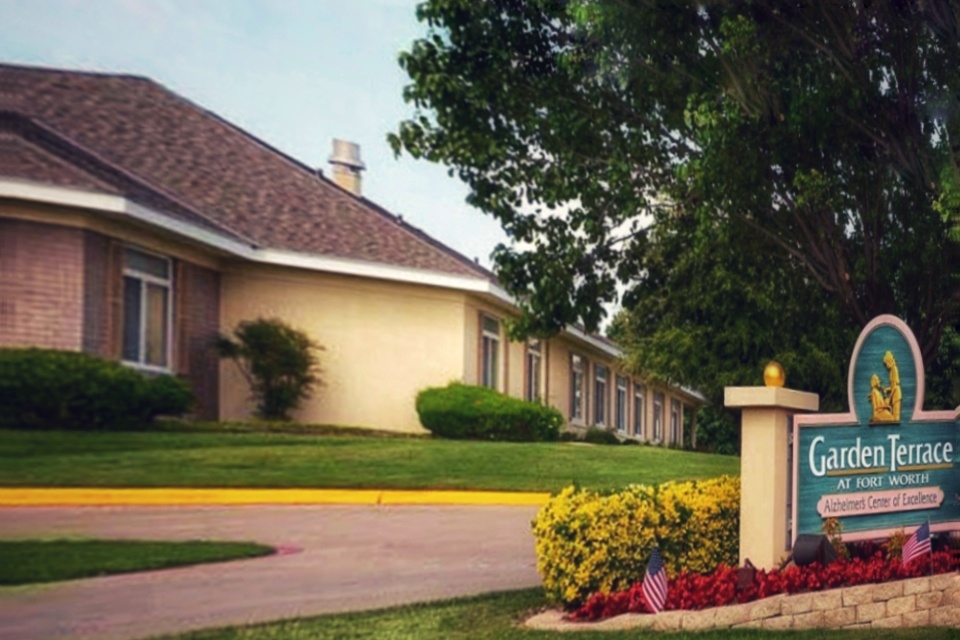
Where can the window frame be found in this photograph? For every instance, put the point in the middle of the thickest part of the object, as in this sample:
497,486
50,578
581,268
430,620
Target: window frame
600,393
676,431
148,279
490,345
578,395
639,406
534,373
620,417
658,399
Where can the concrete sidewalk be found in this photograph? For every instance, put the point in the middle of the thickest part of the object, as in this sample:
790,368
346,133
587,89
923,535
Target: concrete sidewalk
174,496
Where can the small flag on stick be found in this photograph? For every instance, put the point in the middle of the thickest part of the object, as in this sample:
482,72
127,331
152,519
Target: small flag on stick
918,544
655,583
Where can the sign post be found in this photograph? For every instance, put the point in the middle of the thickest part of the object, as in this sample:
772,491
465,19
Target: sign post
765,468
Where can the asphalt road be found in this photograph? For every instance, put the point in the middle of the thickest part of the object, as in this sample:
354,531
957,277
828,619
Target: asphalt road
333,558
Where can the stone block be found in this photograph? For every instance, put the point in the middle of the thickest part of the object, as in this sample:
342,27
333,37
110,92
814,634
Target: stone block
890,622
916,585
853,596
699,620
753,624
827,600
917,618
871,612
626,621
766,608
944,581
792,605
929,600
945,617
668,620
840,617
951,597
780,622
733,615
811,620
901,605
887,590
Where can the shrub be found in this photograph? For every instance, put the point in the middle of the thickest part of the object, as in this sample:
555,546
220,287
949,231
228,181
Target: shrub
49,389
587,542
278,361
595,435
464,412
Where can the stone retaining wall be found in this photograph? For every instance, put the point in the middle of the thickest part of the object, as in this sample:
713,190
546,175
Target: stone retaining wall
933,601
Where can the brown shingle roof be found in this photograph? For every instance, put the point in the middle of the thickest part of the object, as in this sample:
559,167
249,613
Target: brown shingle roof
191,164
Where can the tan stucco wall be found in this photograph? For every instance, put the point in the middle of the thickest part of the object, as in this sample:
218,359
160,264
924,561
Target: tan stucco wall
384,341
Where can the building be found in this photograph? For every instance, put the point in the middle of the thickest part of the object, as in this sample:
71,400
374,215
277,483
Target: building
136,225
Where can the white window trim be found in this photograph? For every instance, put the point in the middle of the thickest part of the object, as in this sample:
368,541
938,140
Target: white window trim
574,418
495,337
639,412
534,356
620,417
152,279
598,401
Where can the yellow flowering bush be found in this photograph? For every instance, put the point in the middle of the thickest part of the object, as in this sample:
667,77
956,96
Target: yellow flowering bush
589,542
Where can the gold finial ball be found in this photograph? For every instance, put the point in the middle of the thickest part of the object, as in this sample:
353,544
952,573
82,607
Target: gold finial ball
773,375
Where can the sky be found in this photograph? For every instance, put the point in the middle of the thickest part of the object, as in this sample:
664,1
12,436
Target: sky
295,73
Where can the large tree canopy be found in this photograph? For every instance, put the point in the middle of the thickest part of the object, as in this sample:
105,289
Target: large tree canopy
793,165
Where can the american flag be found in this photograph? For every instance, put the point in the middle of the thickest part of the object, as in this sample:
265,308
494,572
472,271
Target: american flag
655,583
918,544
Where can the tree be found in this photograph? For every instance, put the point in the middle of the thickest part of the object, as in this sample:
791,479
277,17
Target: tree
278,361
615,140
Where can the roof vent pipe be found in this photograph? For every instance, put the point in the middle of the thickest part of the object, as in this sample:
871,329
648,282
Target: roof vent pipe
346,165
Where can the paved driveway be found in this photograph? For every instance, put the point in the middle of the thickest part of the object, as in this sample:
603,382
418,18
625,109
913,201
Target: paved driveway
335,558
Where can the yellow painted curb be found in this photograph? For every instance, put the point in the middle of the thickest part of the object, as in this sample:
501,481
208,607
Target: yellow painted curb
59,497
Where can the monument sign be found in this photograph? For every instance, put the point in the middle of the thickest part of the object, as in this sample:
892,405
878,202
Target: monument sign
886,464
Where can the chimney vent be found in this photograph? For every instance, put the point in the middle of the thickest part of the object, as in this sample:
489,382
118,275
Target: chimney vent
346,165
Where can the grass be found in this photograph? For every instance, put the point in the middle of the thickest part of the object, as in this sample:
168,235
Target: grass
176,458
495,616
34,561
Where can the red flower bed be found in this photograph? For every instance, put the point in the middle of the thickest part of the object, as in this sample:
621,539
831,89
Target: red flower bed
690,591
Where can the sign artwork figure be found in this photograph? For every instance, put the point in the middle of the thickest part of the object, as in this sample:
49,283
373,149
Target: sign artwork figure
887,463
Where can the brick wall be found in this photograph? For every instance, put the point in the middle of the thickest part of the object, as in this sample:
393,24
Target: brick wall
918,602
41,285
99,276
198,322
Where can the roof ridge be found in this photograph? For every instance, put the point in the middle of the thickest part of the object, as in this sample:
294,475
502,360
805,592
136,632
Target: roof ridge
72,145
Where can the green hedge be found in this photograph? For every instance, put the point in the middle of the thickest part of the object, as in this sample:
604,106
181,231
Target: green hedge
464,412
47,389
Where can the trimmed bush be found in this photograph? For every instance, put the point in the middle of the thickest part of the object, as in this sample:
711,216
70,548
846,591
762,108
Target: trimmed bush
464,412
48,389
279,362
596,435
588,542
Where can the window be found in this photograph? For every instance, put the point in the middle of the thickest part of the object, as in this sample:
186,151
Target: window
534,366
638,409
600,395
146,309
657,417
621,404
675,421
576,387
490,352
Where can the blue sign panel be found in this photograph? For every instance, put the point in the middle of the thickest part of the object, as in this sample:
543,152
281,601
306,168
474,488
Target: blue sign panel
886,464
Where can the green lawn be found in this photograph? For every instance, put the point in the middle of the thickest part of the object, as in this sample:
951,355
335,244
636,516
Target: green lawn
209,459
32,561
494,616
